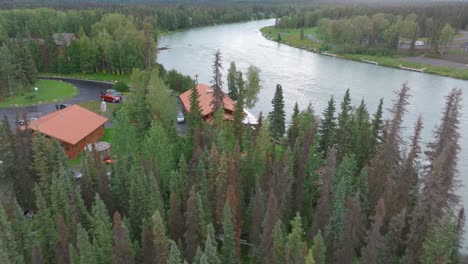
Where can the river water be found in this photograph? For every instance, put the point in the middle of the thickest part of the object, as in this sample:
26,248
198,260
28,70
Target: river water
309,77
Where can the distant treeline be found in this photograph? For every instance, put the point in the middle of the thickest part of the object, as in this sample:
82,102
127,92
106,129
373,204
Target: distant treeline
377,29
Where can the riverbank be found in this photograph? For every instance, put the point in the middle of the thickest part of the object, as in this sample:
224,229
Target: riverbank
292,38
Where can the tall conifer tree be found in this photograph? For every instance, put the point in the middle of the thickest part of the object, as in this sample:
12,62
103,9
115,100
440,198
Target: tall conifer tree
277,116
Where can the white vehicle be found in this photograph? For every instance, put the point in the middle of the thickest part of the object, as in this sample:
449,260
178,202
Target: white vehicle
180,118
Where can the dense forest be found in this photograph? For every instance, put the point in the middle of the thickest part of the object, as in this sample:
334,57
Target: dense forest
104,40
339,187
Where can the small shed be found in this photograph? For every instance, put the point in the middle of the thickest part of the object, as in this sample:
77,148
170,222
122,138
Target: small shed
101,149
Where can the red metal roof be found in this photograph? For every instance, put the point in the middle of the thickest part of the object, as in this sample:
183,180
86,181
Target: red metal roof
206,95
69,125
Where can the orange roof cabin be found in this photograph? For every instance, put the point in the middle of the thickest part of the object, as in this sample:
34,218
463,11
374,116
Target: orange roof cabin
206,96
74,126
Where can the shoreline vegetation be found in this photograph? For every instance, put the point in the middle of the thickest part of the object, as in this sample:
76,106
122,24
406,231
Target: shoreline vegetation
292,37
49,91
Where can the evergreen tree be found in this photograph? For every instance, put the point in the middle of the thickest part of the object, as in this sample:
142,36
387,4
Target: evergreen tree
327,127
362,187
217,83
439,246
293,129
229,244
102,232
277,116
211,246
174,255
123,253
194,115
37,257
343,123
279,243
161,242
221,187
86,251
269,221
8,243
232,81
295,242
239,109
377,126
319,249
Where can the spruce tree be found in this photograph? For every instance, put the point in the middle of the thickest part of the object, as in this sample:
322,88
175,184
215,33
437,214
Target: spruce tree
277,116
376,128
102,232
279,243
194,115
8,242
438,246
86,251
161,243
295,242
327,127
232,82
174,255
319,249
239,109
343,125
293,129
217,83
229,255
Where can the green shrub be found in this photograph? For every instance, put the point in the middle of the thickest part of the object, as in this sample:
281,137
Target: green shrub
121,87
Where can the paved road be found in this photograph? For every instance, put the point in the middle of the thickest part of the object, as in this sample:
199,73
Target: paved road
436,62
89,90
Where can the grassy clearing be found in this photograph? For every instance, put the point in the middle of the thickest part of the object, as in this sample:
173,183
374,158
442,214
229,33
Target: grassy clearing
107,135
292,37
92,76
95,106
48,92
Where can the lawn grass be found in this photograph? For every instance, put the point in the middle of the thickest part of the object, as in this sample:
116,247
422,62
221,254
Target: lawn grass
48,91
92,76
107,135
75,163
291,37
95,106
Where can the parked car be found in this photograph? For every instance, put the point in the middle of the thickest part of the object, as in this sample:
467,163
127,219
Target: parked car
114,92
110,98
180,118
61,106
76,174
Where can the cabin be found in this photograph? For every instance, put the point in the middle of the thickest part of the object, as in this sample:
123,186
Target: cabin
64,39
74,127
206,96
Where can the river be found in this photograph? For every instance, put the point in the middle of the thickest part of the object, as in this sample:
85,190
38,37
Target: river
309,77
